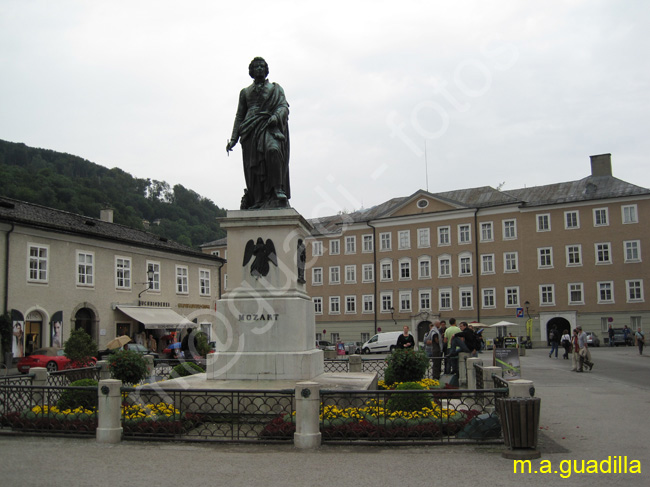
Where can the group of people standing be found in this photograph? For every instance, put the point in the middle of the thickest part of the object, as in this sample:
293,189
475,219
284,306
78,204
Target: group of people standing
447,341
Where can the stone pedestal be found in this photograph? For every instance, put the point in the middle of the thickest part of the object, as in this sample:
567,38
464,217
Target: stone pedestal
266,328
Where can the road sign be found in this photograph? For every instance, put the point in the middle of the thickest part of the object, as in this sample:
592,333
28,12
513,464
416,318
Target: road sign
520,312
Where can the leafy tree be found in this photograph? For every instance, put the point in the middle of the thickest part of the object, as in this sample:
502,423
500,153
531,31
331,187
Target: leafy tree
70,183
80,348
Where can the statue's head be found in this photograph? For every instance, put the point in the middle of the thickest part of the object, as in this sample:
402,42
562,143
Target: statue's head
258,60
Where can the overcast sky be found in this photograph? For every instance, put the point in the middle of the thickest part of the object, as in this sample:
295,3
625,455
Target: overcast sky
504,92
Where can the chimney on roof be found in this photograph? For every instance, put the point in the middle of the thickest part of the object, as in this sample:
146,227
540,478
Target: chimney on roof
601,165
106,215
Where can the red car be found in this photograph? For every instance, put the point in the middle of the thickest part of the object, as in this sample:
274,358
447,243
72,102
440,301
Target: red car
51,358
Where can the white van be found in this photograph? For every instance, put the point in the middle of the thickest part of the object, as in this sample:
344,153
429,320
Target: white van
382,342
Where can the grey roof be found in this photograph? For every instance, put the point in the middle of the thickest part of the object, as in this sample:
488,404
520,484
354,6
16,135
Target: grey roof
215,243
589,188
29,214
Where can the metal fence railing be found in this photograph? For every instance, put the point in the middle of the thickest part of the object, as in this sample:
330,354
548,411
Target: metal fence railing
407,417
68,376
208,414
44,410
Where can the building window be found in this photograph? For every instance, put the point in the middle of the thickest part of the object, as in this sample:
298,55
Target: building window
602,253
489,299
600,217
367,243
487,233
464,234
386,270
318,305
317,249
465,264
405,301
546,295
509,229
335,338
335,274
444,266
386,302
368,303
335,305
225,281
571,220
424,239
575,293
573,255
204,282
632,252
351,245
444,299
404,237
510,262
317,276
335,247
466,298
85,268
512,297
38,263
181,280
545,258
350,304
444,236
384,241
605,292
630,214
368,272
544,222
634,291
122,273
487,264
405,270
155,267
350,274
216,252
424,265
425,300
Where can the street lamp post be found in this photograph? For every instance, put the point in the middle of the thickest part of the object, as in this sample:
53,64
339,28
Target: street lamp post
149,283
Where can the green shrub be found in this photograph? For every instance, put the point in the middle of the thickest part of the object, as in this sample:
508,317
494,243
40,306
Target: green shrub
128,366
202,344
73,399
405,366
409,402
80,348
185,369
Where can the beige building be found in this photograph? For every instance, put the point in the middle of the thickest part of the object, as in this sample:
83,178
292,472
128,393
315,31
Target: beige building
61,271
562,254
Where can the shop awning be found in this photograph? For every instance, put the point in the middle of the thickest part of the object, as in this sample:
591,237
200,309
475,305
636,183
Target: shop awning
156,318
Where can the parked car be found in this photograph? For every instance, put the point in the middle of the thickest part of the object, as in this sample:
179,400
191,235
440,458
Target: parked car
325,345
619,338
592,339
353,347
51,358
382,342
134,347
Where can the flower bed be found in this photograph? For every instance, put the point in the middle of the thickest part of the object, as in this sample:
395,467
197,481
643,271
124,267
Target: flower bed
151,419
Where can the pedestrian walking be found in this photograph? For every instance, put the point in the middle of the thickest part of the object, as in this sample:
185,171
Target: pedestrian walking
554,338
585,354
566,343
639,338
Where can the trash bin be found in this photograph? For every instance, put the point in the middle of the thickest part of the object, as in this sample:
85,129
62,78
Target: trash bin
519,421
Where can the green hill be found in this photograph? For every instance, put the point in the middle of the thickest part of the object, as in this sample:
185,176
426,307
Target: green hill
70,183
